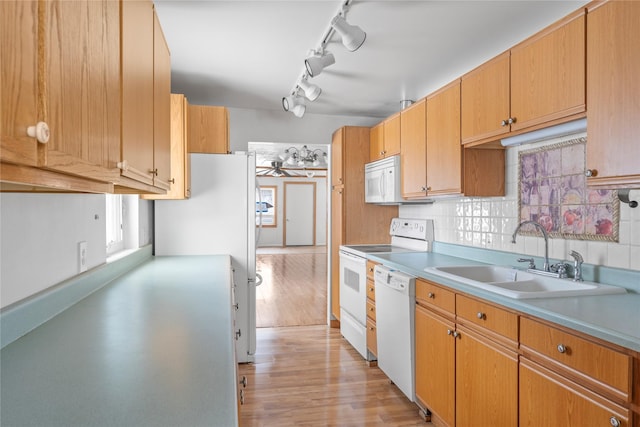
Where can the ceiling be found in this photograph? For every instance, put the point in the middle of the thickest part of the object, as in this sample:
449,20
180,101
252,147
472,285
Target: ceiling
249,54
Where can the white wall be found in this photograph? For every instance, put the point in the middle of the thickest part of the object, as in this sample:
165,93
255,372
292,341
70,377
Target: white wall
40,234
490,222
280,126
273,236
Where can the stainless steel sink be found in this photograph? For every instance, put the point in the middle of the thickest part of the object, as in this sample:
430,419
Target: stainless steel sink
519,284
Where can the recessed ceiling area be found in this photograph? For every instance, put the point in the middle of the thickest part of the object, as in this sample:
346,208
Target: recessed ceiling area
249,54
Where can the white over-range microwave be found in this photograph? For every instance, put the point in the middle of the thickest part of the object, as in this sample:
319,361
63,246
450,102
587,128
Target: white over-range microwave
382,183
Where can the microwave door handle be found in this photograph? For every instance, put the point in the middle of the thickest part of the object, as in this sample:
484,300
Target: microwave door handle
381,185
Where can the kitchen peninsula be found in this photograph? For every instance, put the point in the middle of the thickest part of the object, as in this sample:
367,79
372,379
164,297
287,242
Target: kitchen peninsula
154,347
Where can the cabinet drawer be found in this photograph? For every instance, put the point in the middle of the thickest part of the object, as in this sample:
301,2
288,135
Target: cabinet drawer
370,266
371,290
435,295
372,337
488,316
371,309
605,367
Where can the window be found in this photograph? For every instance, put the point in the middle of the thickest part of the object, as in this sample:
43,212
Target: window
266,206
115,234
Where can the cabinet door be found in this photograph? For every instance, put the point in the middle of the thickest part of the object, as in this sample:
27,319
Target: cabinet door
19,58
180,166
435,364
376,142
548,74
82,98
208,129
485,100
444,152
161,109
392,136
337,239
612,92
547,399
413,153
137,90
337,159
486,382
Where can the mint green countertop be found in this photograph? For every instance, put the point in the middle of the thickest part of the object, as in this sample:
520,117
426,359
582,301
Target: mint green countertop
153,348
613,318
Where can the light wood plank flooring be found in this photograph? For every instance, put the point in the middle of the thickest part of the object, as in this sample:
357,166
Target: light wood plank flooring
294,287
311,376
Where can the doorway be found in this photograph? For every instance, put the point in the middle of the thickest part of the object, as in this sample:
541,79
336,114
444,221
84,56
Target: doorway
299,214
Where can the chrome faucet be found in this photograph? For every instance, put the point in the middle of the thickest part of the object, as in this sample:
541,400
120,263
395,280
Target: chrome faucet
577,266
546,241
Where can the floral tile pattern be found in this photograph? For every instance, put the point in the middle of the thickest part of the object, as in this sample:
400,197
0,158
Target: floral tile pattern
552,190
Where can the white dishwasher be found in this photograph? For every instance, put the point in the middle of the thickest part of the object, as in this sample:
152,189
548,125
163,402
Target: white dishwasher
395,321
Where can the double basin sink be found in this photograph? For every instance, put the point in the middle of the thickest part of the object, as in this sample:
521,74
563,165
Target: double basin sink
520,284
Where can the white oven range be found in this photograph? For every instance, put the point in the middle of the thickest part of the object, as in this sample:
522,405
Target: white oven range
407,235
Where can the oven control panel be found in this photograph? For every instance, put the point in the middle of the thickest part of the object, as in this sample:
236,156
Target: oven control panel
421,229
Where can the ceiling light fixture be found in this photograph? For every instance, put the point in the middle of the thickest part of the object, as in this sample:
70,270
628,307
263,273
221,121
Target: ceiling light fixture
311,91
304,157
294,103
352,35
318,61
352,38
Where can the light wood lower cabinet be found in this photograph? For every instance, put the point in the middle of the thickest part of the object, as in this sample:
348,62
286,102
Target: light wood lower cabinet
548,399
372,330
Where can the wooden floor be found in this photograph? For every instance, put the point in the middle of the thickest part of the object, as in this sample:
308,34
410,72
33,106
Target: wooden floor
310,376
294,287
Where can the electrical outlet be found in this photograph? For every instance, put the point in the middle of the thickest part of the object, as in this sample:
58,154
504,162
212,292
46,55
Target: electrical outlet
82,256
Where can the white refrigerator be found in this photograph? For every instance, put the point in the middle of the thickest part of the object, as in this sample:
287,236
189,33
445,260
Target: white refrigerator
219,218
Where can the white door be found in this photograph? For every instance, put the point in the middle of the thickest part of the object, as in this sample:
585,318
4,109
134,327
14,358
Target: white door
300,213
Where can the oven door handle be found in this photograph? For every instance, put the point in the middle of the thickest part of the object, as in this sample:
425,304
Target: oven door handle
353,257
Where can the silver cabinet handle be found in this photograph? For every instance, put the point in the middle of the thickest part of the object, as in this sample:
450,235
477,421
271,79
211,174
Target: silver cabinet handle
431,295
480,315
561,348
242,397
503,123
456,334
449,332
614,422
238,334
243,381
590,172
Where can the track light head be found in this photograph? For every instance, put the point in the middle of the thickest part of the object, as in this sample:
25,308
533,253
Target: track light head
352,35
295,104
311,91
317,62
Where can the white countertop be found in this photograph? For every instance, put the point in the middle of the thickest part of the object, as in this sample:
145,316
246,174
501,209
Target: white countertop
153,348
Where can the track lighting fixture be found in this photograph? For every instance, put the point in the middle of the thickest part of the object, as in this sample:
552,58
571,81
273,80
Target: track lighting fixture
318,62
295,104
311,91
352,38
352,35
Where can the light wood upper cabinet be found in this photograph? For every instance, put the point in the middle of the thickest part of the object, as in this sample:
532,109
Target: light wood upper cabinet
376,142
208,129
444,152
180,165
162,164
137,91
485,100
19,81
540,82
548,74
413,153
613,90
60,65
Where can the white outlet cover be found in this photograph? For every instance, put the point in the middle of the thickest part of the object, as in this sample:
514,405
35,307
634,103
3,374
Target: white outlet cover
82,256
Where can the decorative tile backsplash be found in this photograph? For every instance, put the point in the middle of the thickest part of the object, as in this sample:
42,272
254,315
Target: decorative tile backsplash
489,223
553,192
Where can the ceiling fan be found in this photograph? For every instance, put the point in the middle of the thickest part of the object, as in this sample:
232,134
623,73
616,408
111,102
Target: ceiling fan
274,170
